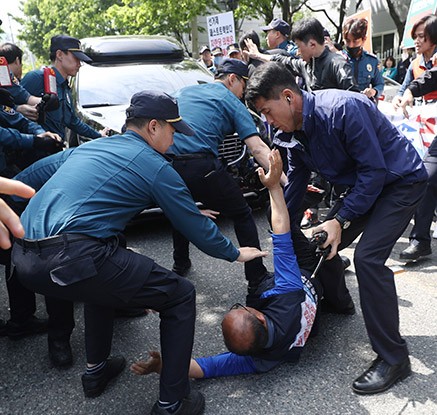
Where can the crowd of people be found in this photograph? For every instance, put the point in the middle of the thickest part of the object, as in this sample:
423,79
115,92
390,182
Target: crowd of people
320,100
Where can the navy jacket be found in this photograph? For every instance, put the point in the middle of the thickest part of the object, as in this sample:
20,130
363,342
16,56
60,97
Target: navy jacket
348,141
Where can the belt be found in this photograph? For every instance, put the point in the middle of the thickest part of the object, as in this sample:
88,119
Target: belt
51,240
194,156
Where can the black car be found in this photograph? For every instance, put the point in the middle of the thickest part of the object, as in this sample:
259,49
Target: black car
124,65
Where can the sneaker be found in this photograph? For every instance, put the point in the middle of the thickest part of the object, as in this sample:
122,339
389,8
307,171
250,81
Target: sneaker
310,219
415,250
32,326
193,404
182,269
95,384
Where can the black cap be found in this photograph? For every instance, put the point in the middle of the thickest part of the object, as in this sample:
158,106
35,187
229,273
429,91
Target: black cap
70,44
231,65
326,33
204,49
159,106
279,25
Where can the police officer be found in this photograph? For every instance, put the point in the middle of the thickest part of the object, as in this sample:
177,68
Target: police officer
24,101
18,134
364,65
277,33
214,110
71,250
66,57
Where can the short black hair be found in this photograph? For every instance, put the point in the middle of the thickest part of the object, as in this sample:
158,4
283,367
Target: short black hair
268,81
307,29
430,28
139,122
260,337
10,52
249,35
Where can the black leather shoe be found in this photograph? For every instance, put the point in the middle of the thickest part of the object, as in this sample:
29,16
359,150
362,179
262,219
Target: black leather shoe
33,325
95,384
346,261
329,308
193,404
182,269
415,251
381,376
60,353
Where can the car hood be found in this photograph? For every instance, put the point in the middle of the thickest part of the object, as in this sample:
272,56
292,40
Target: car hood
113,116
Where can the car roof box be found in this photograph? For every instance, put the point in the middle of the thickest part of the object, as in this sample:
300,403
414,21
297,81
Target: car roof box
128,49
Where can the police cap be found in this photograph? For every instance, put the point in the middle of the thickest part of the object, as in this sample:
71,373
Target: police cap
159,106
279,25
70,44
231,65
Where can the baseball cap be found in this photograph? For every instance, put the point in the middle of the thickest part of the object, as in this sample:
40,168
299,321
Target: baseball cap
204,49
70,44
233,48
217,51
160,106
231,65
279,25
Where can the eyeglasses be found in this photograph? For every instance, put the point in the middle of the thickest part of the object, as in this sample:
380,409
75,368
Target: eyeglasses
243,81
236,306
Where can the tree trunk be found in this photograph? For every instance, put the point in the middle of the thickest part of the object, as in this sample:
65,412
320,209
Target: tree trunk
400,24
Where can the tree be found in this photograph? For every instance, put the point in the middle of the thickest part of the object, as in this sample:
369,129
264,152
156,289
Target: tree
84,18
394,7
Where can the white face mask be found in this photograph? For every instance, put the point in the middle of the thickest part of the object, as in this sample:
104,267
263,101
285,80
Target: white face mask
404,55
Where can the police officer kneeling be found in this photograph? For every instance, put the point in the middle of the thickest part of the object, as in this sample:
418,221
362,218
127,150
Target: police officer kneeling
71,250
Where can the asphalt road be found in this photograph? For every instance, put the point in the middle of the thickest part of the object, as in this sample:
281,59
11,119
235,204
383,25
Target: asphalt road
318,384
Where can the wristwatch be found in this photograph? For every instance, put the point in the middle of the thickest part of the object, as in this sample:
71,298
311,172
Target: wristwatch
344,223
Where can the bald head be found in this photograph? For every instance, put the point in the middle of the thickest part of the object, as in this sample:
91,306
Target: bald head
244,332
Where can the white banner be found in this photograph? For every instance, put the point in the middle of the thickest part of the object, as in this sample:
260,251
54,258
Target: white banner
221,30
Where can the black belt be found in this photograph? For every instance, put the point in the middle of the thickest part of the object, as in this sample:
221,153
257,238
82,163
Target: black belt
194,156
51,240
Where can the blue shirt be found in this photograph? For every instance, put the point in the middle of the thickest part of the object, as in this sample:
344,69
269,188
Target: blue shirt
348,141
366,72
290,47
65,116
20,94
16,131
213,112
95,189
287,325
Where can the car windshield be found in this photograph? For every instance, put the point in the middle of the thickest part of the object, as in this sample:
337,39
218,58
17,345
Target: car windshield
115,84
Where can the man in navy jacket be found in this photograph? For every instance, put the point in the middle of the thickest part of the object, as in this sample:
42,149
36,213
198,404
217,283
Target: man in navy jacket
344,137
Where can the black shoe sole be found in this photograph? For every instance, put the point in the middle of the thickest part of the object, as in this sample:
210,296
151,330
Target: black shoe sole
375,391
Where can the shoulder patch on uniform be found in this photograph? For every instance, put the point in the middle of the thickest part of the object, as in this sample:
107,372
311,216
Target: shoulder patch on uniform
369,67
8,110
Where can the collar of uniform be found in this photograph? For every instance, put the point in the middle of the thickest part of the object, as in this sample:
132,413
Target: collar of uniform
59,78
427,65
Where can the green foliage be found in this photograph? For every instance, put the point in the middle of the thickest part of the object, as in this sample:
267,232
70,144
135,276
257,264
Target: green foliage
84,18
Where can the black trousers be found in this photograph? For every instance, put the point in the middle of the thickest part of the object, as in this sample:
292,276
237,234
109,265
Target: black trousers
380,228
425,211
103,275
210,183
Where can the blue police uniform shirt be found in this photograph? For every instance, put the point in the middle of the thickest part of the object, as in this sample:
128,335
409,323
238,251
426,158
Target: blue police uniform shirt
213,112
96,188
64,116
16,131
290,47
349,142
20,94
289,307
366,72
